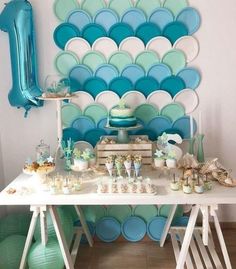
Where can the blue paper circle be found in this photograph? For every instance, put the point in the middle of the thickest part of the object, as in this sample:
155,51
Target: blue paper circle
63,33
107,72
78,75
93,136
159,125
83,124
155,228
91,227
72,133
159,72
106,18
161,17
120,31
174,30
150,133
121,85
190,18
133,72
108,229
173,85
147,31
181,221
134,17
134,229
191,77
79,18
183,126
147,85
92,32
94,86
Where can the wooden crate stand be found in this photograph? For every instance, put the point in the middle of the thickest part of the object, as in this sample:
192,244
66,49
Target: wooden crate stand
143,149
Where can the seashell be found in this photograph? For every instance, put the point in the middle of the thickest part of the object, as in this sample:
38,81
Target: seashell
188,161
228,181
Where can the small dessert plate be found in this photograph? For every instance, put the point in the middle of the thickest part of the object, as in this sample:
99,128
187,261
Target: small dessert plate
148,6
120,31
78,46
120,6
107,72
120,60
63,8
133,72
83,99
106,18
189,99
161,45
173,85
147,59
106,46
79,18
134,98
155,228
108,229
134,229
134,17
145,212
175,30
189,45
94,59
65,61
107,99
159,72
160,99
132,45
161,17
96,112
190,18
63,33
175,6
82,145
175,59
191,77
147,31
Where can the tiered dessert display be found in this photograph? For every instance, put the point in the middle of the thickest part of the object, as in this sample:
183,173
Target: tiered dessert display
121,118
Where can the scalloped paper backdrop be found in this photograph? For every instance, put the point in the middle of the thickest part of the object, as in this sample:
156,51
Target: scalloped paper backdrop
138,50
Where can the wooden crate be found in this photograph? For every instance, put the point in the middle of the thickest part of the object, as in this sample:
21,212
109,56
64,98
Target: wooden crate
143,149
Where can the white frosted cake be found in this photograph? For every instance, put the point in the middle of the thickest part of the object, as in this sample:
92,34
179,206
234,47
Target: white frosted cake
122,116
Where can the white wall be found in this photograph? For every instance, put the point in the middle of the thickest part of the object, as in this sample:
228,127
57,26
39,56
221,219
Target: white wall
217,91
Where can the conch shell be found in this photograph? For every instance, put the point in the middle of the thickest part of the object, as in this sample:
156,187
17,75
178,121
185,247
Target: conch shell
211,166
188,161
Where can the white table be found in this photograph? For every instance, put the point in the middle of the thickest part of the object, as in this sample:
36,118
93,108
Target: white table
40,201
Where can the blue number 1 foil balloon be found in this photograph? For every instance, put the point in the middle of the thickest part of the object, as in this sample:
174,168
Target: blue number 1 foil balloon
17,19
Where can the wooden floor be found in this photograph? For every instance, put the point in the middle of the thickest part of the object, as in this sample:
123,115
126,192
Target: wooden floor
145,255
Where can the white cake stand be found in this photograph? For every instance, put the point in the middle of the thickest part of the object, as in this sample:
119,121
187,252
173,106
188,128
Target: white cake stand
58,101
123,136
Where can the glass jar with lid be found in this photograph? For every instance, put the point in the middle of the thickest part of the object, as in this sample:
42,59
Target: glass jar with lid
42,152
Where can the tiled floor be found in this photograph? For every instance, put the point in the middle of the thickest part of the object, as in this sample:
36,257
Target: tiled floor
145,255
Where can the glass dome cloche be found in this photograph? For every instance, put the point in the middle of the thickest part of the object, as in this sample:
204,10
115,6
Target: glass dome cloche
56,86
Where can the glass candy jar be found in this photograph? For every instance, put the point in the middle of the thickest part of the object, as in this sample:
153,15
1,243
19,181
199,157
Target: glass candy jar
42,152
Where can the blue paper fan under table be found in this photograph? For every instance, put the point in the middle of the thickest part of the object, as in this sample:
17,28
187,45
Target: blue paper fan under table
155,228
108,229
134,229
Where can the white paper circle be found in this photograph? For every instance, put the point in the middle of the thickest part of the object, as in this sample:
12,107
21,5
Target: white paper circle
108,99
159,99
189,45
83,99
160,45
189,99
133,46
106,46
79,46
134,99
